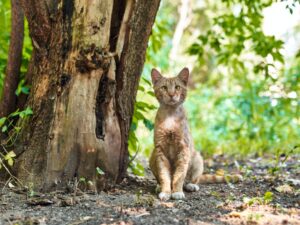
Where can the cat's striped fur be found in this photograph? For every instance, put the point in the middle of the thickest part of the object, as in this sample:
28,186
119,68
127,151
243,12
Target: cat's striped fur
174,161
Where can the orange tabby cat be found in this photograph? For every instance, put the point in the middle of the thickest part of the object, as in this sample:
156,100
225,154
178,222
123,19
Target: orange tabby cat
174,161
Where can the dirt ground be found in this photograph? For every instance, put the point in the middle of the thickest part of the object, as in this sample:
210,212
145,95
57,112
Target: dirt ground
262,198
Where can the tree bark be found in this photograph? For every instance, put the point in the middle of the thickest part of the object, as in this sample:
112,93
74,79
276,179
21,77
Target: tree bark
9,98
88,60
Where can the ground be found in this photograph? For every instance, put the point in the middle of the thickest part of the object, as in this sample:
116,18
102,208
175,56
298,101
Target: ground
269,194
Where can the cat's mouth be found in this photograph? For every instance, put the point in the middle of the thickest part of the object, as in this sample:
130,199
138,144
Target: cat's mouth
172,102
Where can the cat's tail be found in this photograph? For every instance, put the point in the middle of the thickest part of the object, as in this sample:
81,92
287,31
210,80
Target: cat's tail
213,178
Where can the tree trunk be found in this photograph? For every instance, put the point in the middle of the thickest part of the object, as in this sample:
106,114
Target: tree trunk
184,19
88,58
9,99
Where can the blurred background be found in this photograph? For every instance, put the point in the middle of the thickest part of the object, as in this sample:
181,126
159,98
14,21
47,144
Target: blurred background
244,86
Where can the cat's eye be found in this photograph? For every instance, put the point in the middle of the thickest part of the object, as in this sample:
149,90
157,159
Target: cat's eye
177,87
164,88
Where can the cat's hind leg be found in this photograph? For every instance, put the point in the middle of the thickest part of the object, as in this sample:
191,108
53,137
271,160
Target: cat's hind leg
190,187
196,176
195,170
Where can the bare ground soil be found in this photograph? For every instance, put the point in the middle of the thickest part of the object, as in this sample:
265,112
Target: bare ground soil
262,198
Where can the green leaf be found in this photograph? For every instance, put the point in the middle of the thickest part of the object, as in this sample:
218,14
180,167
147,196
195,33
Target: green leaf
144,106
141,88
138,115
9,155
148,124
28,111
25,90
22,114
132,141
16,113
2,121
151,93
196,49
268,197
133,127
4,128
82,179
137,169
249,201
147,81
17,129
10,162
99,171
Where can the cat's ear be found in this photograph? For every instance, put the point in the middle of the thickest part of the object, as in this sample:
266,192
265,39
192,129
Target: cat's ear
184,75
155,75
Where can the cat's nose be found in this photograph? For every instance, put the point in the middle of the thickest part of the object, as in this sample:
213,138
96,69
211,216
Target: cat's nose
171,94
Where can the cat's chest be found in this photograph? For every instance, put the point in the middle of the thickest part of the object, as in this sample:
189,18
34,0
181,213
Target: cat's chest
170,129
170,124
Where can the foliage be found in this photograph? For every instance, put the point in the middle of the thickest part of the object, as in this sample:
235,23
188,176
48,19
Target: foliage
11,130
243,97
257,110
7,123
8,126
5,26
141,112
157,56
4,38
242,123
8,158
281,158
233,33
264,200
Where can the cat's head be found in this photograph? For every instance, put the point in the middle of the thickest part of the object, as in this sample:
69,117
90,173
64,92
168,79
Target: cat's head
170,91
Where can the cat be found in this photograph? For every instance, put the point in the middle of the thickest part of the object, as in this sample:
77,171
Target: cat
174,161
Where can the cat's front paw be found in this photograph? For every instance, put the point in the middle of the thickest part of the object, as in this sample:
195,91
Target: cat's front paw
178,195
191,187
164,196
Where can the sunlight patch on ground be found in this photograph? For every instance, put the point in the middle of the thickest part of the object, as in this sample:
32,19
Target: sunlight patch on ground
263,214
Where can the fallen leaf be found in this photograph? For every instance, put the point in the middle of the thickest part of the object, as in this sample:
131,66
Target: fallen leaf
287,189
168,204
235,214
11,185
143,214
39,201
220,172
210,162
294,181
